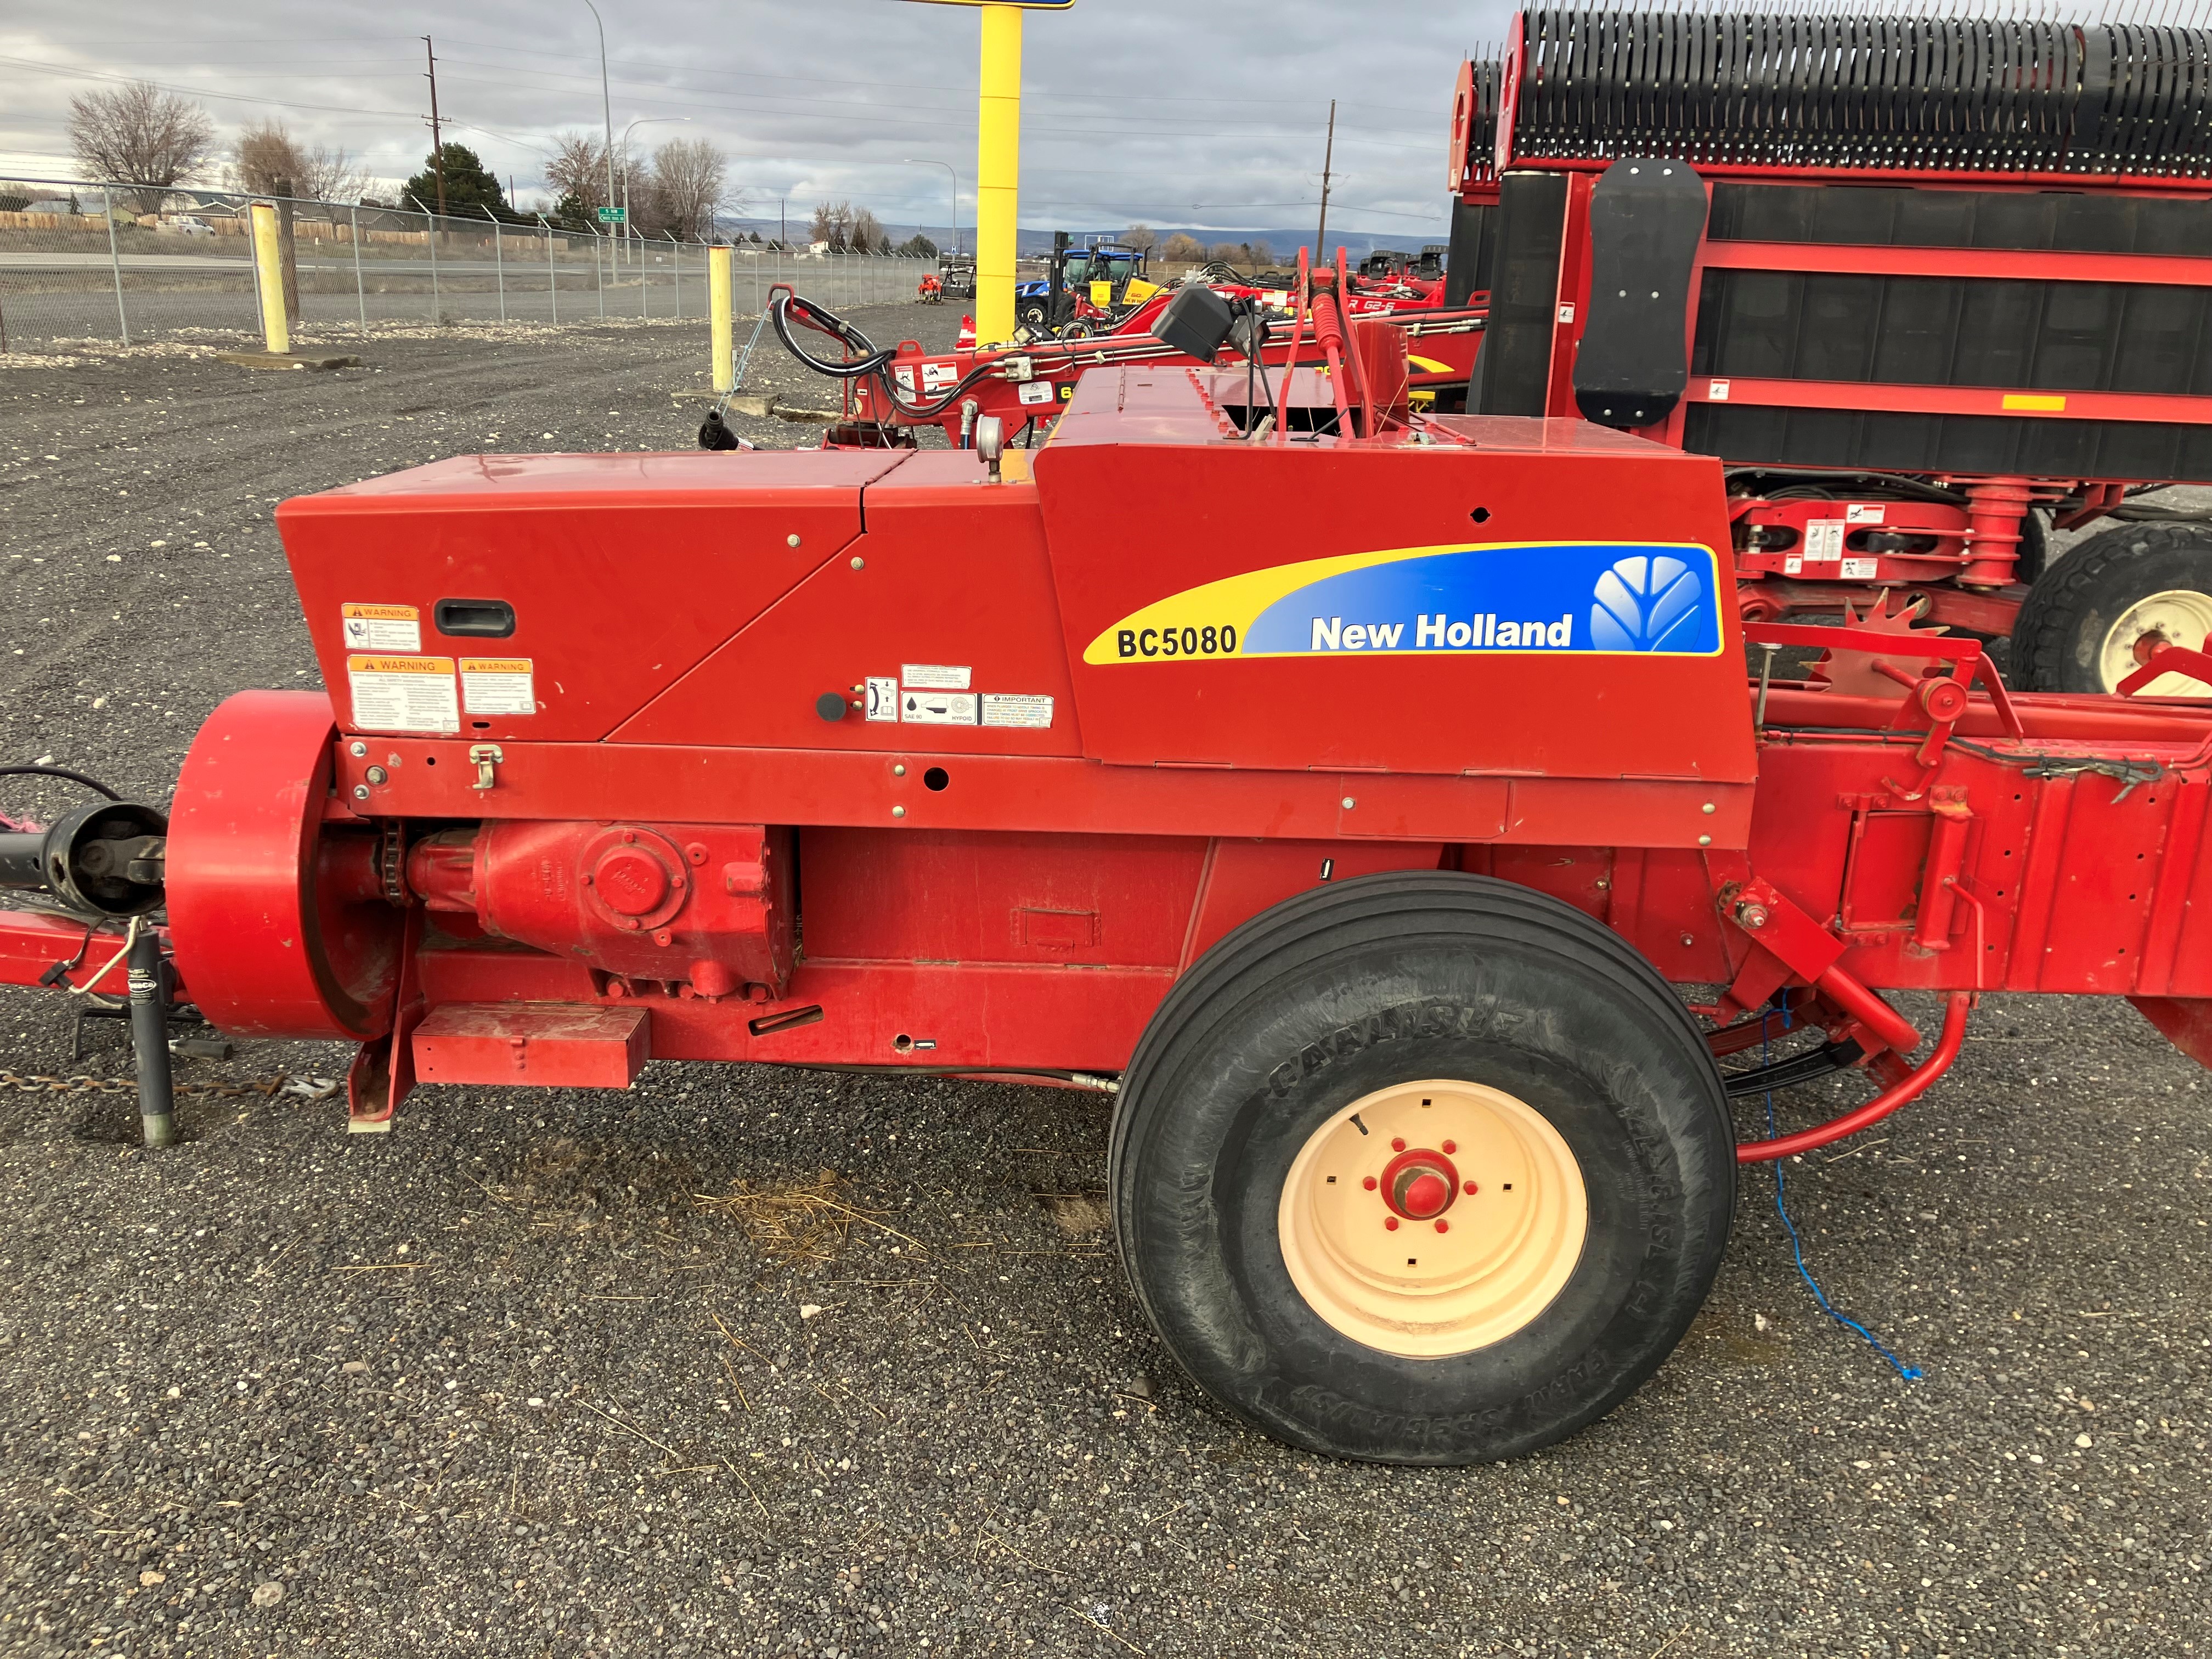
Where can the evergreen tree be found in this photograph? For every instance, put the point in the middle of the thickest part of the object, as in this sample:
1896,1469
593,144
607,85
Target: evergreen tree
470,186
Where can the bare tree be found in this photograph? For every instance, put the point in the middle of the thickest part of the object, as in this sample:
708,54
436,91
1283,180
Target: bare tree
690,178
1227,253
868,235
267,160
1260,255
1142,238
833,224
140,134
1181,250
577,172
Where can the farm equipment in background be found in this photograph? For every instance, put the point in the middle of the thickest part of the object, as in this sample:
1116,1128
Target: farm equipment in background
1367,857
958,271
889,391
1095,285
1911,307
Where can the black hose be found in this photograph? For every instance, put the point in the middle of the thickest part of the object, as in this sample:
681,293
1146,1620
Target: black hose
59,772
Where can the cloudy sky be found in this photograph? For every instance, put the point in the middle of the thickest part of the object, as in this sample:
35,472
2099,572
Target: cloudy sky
1170,111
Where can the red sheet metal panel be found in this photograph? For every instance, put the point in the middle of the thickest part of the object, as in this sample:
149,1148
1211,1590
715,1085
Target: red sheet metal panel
623,572
939,623
555,1046
1350,641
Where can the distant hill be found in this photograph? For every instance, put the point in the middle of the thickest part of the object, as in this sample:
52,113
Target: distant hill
1357,245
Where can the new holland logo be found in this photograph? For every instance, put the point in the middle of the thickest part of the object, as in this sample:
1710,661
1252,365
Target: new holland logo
1548,598
1645,601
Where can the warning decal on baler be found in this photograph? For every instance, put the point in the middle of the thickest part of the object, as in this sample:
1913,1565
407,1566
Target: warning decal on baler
404,694
381,627
497,686
1607,598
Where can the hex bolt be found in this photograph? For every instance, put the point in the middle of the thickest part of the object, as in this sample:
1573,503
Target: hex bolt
898,812
357,750
1349,803
360,792
1750,914
1450,1147
791,540
1443,1226
1398,1145
1471,1189
899,769
858,563
377,775
1603,885
1689,939
1390,1222
1370,1183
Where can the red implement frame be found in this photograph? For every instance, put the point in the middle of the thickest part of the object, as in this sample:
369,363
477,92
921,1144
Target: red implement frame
925,769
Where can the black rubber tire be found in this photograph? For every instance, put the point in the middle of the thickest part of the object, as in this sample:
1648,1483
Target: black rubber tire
1032,315
1350,987
2061,629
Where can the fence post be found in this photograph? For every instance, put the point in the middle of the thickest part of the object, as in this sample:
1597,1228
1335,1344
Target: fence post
498,262
430,237
276,331
676,252
552,273
115,260
359,294
721,331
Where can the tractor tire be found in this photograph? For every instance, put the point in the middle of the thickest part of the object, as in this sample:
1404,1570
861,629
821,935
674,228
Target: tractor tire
1420,1067
2090,618
1032,315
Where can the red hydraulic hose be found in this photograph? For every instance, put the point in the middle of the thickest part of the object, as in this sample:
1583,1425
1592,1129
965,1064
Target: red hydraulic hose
1899,1093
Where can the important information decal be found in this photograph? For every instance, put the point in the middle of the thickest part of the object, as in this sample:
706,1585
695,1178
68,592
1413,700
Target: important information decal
1611,599
405,693
497,686
381,627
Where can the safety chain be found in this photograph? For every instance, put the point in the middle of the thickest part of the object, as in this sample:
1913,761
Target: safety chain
308,1087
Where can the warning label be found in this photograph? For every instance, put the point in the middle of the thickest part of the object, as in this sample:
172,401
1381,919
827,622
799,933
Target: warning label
939,708
1861,571
382,627
1017,708
934,676
497,686
1034,392
883,697
1824,539
404,694
1864,513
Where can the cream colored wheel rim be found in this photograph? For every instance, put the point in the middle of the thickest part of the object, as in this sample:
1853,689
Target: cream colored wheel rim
1505,1249
2180,615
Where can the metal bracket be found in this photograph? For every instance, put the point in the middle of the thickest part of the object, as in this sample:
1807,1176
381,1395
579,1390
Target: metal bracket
483,756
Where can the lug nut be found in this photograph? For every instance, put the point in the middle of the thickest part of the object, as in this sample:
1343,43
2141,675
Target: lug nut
377,775
1471,1189
1370,1183
1450,1147
1443,1226
1390,1222
1398,1145
1750,914
357,750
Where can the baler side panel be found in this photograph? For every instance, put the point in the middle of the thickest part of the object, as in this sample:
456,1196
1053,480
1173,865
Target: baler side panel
949,576
1515,491
622,571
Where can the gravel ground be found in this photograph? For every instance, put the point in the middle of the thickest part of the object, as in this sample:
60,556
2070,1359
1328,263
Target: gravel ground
501,1383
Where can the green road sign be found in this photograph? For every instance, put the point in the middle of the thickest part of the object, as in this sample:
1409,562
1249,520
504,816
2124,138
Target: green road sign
613,215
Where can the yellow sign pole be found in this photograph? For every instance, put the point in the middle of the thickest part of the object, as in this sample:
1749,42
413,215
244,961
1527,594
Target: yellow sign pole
274,331
998,173
720,268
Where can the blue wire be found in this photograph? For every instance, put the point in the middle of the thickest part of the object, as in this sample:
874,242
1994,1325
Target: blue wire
1910,1373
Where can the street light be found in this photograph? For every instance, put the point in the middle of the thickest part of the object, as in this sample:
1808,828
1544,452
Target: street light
642,121
916,161
606,107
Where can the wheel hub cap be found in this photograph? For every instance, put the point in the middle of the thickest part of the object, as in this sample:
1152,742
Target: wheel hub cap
2179,617
1432,1217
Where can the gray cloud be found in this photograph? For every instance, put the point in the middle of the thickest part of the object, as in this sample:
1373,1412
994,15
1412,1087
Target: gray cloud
1164,110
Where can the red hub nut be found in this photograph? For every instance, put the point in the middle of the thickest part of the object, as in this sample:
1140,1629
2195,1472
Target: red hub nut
630,881
1420,1185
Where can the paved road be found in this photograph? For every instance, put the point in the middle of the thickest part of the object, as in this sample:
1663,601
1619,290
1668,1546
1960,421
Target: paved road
468,1387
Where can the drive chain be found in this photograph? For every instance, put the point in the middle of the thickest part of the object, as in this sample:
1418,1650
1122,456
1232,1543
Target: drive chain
309,1087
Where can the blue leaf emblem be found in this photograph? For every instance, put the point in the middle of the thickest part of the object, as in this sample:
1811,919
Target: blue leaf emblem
1644,602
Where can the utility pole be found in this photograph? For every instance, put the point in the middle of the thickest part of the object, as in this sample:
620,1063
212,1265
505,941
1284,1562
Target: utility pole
437,131
782,236
606,105
1327,160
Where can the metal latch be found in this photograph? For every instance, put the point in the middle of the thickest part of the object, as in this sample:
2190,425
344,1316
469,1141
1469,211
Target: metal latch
483,756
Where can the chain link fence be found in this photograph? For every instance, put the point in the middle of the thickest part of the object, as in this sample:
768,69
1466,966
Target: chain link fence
127,263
